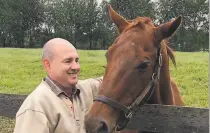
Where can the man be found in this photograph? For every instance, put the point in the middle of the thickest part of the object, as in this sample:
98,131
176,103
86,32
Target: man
60,102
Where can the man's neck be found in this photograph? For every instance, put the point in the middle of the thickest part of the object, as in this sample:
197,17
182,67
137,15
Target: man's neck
67,90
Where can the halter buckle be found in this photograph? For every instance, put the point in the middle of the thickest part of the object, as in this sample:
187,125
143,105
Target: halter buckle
153,76
129,115
160,60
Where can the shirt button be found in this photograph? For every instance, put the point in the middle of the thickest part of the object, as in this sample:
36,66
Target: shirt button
78,123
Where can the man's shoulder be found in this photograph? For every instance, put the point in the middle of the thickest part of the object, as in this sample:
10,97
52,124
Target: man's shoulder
40,91
40,95
89,87
83,85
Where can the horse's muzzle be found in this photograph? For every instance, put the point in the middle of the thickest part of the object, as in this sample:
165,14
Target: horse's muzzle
95,125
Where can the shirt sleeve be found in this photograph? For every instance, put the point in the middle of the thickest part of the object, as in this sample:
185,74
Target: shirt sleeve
31,121
95,84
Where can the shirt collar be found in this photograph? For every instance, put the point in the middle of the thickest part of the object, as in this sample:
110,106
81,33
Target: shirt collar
57,90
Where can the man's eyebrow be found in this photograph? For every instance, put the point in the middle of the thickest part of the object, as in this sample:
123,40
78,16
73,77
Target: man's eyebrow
67,58
70,58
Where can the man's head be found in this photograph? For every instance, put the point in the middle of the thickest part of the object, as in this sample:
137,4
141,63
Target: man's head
61,62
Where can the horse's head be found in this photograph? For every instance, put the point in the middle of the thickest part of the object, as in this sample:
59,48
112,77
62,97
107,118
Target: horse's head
133,66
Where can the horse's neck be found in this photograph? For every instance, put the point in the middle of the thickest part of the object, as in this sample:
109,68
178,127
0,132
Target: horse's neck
163,93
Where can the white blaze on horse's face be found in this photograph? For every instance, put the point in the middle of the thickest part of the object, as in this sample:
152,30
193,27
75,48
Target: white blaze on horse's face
130,65
132,44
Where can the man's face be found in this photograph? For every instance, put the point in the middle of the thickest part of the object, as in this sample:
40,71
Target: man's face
64,66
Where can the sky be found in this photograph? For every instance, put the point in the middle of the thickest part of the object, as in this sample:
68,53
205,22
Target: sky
100,1
108,0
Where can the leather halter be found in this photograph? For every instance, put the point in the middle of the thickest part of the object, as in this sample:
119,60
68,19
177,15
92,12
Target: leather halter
127,111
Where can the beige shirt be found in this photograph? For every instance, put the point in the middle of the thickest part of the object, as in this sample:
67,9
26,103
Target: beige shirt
48,110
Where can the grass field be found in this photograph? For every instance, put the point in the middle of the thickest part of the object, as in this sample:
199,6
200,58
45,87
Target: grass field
21,71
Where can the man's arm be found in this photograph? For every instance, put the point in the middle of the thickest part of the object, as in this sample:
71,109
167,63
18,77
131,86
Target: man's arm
96,84
31,121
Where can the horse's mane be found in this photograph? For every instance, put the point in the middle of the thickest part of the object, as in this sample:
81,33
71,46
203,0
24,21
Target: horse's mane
170,53
140,21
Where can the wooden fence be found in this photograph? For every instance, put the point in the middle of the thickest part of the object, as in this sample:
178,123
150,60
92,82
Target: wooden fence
156,118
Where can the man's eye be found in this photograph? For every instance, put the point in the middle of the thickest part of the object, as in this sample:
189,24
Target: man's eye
77,60
67,61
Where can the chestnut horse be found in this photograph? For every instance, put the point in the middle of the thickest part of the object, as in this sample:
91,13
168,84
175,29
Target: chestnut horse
137,72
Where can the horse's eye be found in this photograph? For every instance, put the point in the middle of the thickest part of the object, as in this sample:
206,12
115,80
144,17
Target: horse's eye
143,66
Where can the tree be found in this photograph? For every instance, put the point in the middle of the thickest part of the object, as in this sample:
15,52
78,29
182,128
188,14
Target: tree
20,19
194,16
131,9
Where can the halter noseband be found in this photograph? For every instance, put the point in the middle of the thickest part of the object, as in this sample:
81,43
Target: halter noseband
128,111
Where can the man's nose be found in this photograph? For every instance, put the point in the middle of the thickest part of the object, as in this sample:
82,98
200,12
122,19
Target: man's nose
75,65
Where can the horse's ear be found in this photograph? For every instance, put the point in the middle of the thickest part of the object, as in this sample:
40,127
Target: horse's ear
167,29
118,20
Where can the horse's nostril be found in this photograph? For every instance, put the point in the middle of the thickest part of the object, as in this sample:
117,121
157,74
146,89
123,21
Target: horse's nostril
103,128
96,125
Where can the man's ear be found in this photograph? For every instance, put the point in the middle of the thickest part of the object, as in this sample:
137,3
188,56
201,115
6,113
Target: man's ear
46,64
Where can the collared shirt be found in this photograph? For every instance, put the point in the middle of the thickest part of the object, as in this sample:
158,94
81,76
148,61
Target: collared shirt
58,90
49,110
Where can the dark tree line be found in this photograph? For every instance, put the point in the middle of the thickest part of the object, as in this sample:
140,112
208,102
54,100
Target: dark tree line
86,23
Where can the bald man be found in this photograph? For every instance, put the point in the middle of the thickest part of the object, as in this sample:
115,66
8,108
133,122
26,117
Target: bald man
60,101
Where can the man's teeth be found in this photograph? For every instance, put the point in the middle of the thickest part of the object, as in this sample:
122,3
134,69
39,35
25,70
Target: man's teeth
72,73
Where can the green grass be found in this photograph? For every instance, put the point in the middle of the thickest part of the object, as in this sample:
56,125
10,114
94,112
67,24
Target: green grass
191,76
21,71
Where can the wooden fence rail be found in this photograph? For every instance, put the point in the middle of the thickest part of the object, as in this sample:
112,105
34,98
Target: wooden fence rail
156,118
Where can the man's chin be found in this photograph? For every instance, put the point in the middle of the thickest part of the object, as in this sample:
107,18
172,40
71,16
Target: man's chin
73,82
